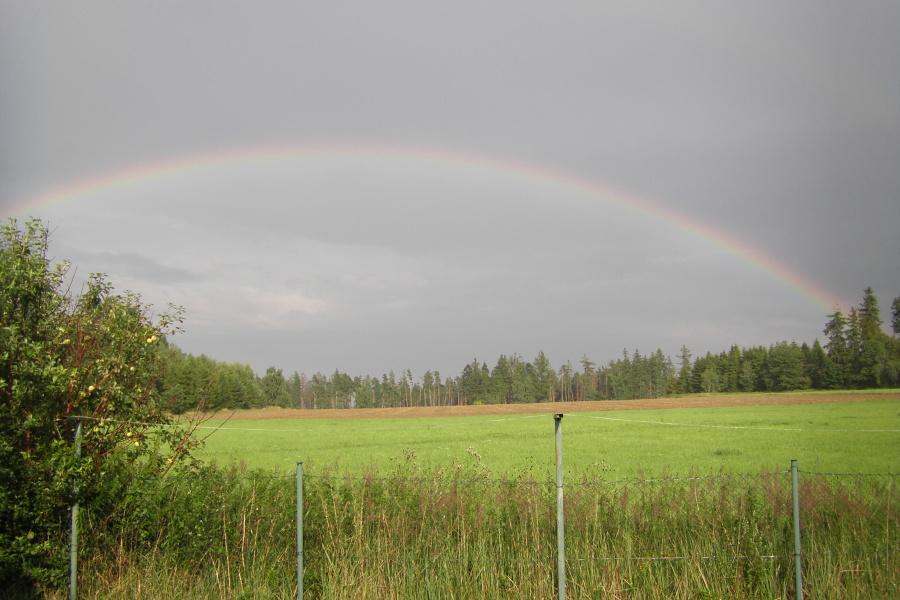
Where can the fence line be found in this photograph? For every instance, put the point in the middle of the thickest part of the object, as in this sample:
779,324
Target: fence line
722,533
305,430
735,525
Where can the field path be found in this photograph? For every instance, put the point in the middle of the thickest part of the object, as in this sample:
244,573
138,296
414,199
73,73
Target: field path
560,407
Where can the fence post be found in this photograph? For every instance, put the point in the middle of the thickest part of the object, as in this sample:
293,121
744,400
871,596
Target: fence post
798,570
73,533
560,514
299,531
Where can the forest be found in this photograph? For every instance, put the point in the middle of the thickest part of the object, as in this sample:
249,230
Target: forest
857,353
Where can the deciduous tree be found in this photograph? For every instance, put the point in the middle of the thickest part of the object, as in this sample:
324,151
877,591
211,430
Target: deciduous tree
96,356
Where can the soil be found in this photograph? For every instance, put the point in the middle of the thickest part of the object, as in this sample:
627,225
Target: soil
558,407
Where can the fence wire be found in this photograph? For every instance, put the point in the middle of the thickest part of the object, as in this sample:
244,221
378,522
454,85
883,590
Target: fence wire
472,536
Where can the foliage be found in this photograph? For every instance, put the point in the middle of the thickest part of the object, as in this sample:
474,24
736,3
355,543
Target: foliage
861,353
200,382
93,356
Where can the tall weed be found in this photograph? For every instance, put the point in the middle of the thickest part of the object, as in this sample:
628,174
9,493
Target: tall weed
456,532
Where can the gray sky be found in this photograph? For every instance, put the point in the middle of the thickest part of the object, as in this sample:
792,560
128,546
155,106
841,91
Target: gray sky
391,185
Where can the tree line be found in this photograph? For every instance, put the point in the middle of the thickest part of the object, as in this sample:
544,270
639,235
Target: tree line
857,353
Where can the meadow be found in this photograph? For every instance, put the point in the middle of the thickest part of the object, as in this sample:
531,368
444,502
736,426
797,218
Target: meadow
836,437
688,503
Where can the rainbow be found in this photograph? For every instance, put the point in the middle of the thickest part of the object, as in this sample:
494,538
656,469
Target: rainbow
567,181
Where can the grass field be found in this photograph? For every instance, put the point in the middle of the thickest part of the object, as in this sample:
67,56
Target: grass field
459,503
847,436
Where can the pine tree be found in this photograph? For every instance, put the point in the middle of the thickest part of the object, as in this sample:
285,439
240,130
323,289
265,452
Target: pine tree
895,316
784,368
684,372
545,382
870,315
838,349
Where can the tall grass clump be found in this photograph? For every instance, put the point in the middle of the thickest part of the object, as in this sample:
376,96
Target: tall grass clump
850,535
206,533
461,534
417,531
439,533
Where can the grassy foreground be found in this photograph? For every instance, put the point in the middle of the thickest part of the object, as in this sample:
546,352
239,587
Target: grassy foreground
459,533
445,508
844,437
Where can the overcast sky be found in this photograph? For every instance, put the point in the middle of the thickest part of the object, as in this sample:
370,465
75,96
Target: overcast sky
389,185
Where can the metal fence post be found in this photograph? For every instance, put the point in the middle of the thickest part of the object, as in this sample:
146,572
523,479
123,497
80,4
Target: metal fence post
299,531
798,570
560,514
73,534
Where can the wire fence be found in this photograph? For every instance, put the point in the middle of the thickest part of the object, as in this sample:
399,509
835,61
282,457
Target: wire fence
458,533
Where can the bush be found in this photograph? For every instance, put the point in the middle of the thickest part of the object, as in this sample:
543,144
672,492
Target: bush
95,356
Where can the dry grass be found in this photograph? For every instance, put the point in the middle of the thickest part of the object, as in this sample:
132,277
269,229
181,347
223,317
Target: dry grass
711,401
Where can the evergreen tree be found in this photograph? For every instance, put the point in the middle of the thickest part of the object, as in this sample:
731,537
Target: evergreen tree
837,373
752,362
895,316
816,365
784,368
747,377
501,388
274,388
662,374
870,315
295,390
544,378
705,374
877,366
475,383
684,371
524,391
586,387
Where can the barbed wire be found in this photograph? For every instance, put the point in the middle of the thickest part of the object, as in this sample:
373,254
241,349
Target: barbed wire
818,474
447,479
186,424
450,478
186,477
411,557
240,549
636,480
672,558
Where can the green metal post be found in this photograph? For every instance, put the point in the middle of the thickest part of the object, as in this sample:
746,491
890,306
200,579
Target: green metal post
560,514
299,531
73,536
798,568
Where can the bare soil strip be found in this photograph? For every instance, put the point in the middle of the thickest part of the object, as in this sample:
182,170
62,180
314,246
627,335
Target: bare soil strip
556,407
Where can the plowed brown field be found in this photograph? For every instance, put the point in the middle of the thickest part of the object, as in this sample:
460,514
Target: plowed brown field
559,407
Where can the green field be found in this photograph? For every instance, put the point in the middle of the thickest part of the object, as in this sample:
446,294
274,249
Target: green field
850,437
465,507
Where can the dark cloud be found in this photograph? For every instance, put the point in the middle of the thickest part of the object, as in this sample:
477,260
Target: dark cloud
774,124
137,267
